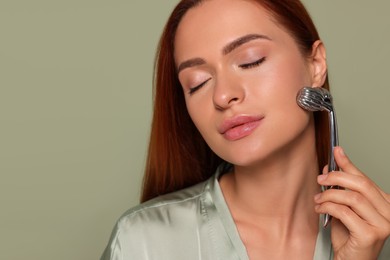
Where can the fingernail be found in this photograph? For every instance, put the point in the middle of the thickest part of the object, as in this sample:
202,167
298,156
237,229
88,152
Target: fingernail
322,177
342,151
317,196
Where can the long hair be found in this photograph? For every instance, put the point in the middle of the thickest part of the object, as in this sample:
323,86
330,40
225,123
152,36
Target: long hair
178,156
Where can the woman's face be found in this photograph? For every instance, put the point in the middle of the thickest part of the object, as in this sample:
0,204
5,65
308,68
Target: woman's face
240,72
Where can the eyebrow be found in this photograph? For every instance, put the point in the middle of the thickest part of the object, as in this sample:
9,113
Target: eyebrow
226,50
190,63
242,40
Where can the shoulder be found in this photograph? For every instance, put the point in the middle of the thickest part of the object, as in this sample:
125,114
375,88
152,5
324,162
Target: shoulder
158,226
166,206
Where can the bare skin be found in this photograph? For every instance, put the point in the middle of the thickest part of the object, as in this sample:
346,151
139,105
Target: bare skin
270,193
236,64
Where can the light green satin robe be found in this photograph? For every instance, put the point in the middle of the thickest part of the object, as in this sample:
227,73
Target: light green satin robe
194,223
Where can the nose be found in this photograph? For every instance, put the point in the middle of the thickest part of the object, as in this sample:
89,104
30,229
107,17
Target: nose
227,93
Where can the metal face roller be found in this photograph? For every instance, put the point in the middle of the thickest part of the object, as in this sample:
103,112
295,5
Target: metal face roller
319,99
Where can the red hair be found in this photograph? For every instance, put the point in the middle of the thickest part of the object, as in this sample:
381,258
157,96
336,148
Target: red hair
178,156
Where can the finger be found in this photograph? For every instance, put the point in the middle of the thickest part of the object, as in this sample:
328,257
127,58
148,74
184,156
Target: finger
354,200
345,163
385,195
361,185
359,229
348,167
325,170
349,218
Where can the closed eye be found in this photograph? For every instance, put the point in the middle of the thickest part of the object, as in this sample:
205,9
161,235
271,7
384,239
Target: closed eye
252,64
192,90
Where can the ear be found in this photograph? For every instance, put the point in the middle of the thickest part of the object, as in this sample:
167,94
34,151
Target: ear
318,65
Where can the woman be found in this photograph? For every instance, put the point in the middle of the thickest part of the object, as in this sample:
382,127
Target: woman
236,157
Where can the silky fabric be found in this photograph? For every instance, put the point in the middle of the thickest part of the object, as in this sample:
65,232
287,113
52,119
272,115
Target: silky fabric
193,223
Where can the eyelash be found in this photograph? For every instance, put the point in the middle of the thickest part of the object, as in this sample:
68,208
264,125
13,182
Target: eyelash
252,64
243,66
192,90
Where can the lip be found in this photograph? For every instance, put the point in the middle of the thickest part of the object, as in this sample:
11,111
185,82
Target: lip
238,127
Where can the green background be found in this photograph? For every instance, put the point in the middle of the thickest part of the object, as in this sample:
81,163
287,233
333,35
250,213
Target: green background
76,102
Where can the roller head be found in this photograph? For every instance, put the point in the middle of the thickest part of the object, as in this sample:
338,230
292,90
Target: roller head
314,99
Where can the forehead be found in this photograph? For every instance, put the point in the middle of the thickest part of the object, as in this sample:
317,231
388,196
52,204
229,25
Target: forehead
213,23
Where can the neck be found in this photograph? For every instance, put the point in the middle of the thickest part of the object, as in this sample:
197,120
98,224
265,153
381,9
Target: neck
276,195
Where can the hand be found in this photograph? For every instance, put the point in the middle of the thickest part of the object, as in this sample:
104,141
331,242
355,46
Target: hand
361,211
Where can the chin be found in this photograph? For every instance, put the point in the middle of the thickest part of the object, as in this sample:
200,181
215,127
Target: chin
258,152
246,155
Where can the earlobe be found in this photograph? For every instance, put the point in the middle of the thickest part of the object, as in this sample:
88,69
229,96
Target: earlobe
318,64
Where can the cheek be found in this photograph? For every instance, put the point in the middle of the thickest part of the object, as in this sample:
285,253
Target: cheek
198,113
203,117
278,83
280,86
290,71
